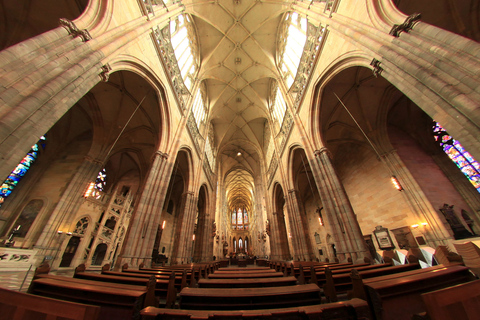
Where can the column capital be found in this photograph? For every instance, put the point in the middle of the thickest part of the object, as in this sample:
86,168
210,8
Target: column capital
93,160
74,31
160,154
321,151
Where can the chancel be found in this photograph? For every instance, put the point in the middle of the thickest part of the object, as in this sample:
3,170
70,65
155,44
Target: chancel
257,158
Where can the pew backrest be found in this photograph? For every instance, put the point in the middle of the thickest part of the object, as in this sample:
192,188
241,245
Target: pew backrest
24,306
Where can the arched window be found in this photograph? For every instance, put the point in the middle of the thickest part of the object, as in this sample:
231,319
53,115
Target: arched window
81,226
240,244
234,219
20,170
278,107
183,41
198,108
292,38
95,188
455,151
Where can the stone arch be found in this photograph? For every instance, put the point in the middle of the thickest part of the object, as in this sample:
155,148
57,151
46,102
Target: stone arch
281,242
203,226
343,62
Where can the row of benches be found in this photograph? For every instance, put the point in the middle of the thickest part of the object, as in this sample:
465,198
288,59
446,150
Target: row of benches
268,297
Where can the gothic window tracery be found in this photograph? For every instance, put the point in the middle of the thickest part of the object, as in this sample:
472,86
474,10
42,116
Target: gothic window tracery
81,226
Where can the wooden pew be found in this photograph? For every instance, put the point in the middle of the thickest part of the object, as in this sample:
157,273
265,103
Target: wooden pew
245,275
399,298
354,309
342,282
470,253
358,283
256,269
179,278
322,278
116,303
244,270
249,298
24,306
454,303
247,283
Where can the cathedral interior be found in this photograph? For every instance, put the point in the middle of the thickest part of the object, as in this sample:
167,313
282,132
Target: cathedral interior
150,131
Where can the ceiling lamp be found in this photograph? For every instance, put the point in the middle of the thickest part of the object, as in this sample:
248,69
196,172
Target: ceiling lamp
239,154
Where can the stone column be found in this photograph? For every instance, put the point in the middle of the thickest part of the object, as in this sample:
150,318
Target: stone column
66,209
301,242
183,244
140,237
339,213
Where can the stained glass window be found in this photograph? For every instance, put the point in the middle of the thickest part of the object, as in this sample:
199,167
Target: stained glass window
245,216
95,188
20,170
455,151
234,217
239,216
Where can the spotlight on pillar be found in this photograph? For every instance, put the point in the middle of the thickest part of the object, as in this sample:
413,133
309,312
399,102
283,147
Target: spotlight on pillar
396,183
163,224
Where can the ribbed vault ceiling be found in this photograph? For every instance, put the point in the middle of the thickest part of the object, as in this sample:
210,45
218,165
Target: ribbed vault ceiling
238,48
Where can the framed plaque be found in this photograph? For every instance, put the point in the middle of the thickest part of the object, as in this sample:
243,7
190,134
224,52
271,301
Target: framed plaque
383,238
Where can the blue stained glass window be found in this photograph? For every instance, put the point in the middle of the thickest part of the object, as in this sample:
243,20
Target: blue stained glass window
455,151
20,170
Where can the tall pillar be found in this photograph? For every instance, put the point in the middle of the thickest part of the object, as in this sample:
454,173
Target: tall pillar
61,217
183,244
301,243
140,238
339,213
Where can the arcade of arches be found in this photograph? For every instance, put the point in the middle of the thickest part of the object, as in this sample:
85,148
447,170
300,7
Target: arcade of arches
182,130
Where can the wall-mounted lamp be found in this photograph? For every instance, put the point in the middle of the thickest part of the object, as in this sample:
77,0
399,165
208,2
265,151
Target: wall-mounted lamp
193,238
320,221
163,224
396,183
62,232
59,231
416,225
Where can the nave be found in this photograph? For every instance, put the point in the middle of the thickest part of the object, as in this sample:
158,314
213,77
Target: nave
260,289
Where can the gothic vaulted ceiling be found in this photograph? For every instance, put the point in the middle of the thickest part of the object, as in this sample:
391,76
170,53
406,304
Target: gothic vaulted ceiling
237,49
